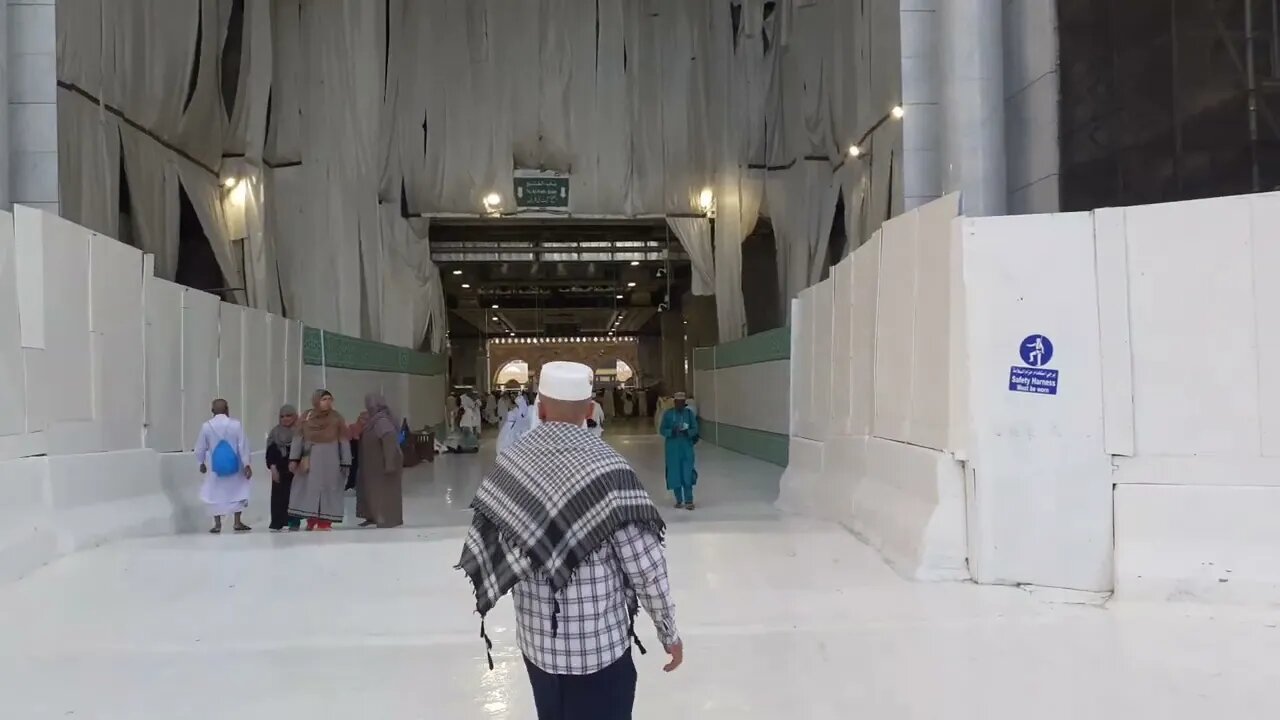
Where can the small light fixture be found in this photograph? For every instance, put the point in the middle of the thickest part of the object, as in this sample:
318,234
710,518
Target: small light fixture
457,272
492,202
635,263
622,297
229,183
854,151
513,334
466,286
495,307
495,318
706,200
631,284
897,112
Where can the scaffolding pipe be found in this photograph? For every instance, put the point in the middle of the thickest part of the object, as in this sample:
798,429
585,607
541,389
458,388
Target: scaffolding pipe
1251,76
972,73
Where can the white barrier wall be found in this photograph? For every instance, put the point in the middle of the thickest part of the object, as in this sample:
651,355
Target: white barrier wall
874,442
742,391
107,374
1098,394
1191,385
1040,479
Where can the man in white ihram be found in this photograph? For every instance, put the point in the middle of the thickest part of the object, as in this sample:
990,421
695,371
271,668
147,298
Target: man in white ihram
563,523
223,452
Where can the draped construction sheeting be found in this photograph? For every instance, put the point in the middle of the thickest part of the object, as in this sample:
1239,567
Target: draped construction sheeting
88,164
802,203
153,186
432,105
695,236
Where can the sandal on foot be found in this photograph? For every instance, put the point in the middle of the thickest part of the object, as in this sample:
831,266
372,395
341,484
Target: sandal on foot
242,528
689,506
215,531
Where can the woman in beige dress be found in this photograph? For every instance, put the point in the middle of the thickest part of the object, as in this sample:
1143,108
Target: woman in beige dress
320,458
379,499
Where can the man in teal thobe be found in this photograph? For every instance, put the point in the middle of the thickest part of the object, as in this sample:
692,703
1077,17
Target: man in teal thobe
680,428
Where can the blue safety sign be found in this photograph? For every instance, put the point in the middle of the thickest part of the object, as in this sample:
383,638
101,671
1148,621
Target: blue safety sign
1034,377
1036,351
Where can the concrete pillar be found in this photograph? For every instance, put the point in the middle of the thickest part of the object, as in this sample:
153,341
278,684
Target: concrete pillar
972,72
701,325
30,78
673,347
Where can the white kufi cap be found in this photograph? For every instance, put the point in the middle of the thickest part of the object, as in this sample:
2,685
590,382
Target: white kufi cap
569,381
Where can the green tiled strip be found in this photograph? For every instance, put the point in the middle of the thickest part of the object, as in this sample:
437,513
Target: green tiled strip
330,349
762,347
769,447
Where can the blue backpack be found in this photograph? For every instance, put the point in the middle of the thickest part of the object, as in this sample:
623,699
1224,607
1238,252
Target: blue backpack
224,460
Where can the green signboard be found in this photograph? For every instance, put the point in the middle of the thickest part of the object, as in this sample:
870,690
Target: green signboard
542,192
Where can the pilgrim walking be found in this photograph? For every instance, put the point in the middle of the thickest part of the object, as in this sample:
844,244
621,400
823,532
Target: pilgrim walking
577,571
379,499
223,451
680,428
279,443
321,458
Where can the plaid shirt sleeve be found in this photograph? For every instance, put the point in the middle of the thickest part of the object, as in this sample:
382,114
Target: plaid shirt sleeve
641,555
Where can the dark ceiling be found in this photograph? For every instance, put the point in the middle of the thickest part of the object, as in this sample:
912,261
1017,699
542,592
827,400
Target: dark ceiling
557,277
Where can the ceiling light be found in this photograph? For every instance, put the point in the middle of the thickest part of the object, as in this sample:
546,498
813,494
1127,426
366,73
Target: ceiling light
513,334
635,263
466,286
854,151
622,297
631,284
495,319
898,111
495,307
457,272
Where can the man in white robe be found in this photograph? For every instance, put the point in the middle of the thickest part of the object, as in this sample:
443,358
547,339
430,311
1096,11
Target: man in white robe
596,424
516,425
224,495
490,408
451,411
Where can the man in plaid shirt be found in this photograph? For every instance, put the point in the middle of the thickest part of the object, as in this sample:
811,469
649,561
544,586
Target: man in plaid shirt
563,523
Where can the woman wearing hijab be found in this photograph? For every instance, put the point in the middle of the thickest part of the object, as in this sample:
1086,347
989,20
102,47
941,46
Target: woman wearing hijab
321,456
279,444
379,498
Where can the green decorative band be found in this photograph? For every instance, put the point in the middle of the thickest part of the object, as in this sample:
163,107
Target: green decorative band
759,348
342,351
704,358
770,447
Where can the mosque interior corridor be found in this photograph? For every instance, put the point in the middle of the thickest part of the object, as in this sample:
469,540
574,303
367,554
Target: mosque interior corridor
782,617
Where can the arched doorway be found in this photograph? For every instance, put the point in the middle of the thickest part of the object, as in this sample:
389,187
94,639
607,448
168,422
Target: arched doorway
514,373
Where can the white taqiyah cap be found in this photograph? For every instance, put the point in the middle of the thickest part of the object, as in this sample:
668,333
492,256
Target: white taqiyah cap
568,381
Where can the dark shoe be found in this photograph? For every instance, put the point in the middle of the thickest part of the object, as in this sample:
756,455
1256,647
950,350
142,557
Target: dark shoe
242,528
689,506
215,531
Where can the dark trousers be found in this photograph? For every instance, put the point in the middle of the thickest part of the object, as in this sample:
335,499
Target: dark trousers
280,502
607,694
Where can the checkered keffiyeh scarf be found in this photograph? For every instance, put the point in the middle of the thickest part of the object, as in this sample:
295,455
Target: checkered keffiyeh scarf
551,500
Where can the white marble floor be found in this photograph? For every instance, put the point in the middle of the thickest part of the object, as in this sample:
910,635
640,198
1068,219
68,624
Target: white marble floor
782,618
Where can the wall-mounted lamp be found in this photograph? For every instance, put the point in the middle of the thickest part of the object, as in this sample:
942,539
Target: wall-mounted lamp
493,203
706,200
854,151
897,112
